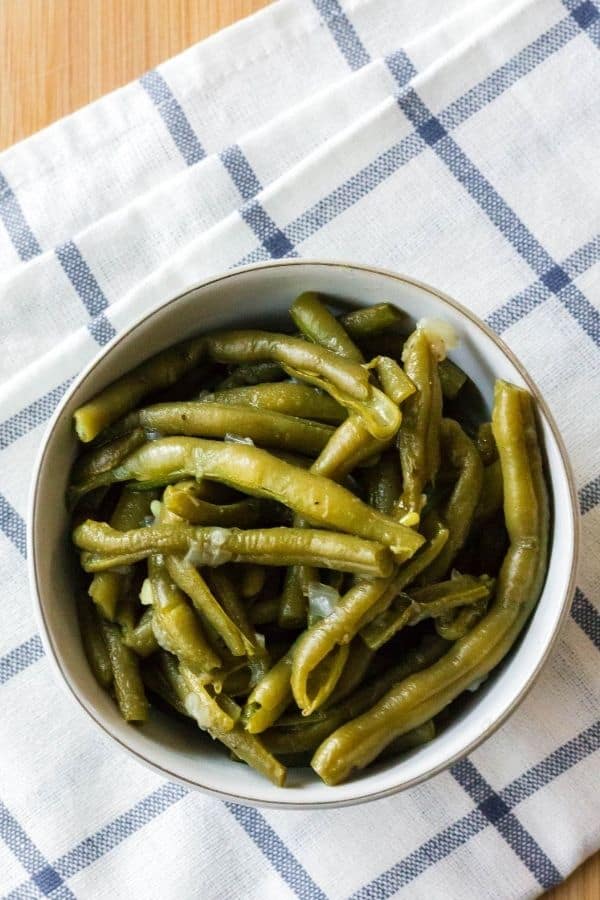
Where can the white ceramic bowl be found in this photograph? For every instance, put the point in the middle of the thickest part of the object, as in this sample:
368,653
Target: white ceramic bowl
240,298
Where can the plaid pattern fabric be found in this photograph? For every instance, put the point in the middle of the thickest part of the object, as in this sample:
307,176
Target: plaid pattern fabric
455,142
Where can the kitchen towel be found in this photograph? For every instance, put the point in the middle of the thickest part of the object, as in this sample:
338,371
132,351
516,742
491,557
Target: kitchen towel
456,142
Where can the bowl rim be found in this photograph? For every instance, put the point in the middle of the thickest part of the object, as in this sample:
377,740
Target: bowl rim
433,770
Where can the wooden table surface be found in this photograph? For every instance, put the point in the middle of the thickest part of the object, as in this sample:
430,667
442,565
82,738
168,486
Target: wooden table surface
57,55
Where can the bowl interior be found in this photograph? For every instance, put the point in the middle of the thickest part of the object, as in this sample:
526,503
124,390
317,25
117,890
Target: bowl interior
242,298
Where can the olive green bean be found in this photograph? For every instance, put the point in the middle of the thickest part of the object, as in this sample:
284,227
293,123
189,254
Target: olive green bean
264,610
270,697
459,510
217,420
394,380
372,320
314,320
384,483
428,602
490,499
107,588
296,733
250,374
179,499
259,473
158,372
94,643
454,626
420,697
288,397
452,378
174,622
418,736
212,546
127,680
142,638
418,436
107,456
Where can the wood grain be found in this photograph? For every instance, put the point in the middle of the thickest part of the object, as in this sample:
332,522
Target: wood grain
58,55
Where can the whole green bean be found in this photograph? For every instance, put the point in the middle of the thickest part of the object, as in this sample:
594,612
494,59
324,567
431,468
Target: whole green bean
270,697
420,735
419,698
261,474
418,436
262,346
458,512
288,397
314,320
127,681
253,580
212,546
217,420
175,624
94,643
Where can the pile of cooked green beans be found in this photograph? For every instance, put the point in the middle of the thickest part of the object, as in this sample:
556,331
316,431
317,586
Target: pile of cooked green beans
312,544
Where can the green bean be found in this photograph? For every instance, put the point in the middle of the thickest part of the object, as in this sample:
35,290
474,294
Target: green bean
157,683
270,697
428,602
261,346
490,500
379,414
297,733
486,444
158,372
315,321
382,317
260,473
212,546
180,499
250,749
384,483
107,587
142,638
288,397
394,380
420,735
418,437
175,624
107,456
454,626
357,665
348,446
403,577
257,373
293,602
452,378
127,681
420,697
94,643
459,510
202,705
218,420
223,588
253,580
188,579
